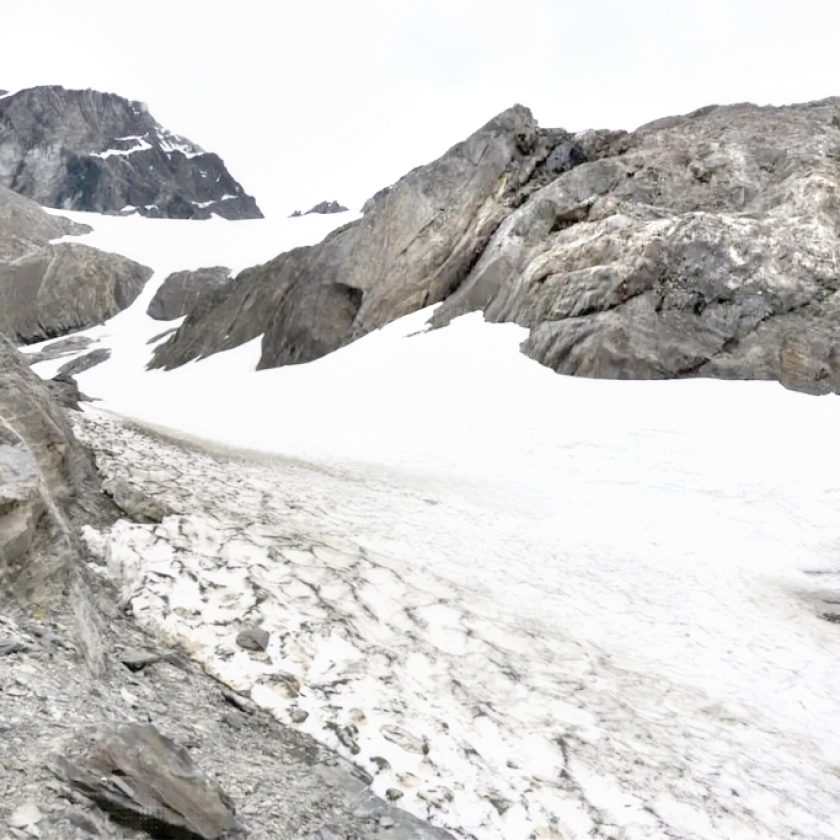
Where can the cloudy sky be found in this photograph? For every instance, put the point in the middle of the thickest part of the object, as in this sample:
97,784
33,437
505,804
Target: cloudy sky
327,99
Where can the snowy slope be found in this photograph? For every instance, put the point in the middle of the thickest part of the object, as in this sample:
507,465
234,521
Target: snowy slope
555,607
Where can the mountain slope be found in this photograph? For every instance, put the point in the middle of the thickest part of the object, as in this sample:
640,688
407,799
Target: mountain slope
87,150
700,245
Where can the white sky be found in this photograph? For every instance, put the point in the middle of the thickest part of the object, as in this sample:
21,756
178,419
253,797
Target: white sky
323,99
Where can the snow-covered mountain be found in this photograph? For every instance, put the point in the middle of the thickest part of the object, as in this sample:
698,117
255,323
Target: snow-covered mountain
87,150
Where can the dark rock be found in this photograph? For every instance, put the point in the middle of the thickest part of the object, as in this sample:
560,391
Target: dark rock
25,227
183,291
62,288
86,150
143,779
326,207
65,391
85,362
253,638
133,503
244,704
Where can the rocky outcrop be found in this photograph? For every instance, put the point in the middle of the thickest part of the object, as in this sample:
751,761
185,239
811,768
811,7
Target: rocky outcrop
414,246
45,479
701,245
25,227
708,248
183,291
65,287
86,150
322,208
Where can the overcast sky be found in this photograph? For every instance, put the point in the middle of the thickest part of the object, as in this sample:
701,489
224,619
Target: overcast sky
323,99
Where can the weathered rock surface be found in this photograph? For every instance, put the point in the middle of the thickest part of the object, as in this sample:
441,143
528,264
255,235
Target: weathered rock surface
415,244
146,781
182,291
65,287
87,150
708,248
25,227
699,245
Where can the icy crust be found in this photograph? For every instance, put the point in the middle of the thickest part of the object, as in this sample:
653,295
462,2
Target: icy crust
641,688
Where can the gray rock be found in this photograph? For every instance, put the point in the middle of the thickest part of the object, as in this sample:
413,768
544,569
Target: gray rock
183,291
133,503
253,638
85,362
86,150
326,207
415,244
65,392
10,646
137,660
707,248
65,287
56,349
700,245
143,779
25,227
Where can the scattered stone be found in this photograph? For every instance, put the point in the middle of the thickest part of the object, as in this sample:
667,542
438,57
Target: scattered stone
298,715
393,794
244,704
253,638
25,815
386,822
134,771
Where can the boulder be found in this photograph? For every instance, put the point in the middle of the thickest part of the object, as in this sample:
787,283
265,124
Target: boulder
143,779
183,291
65,287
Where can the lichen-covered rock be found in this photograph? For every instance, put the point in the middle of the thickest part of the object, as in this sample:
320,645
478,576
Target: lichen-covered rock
86,150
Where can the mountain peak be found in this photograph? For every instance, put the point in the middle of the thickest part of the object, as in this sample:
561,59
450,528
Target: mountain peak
92,150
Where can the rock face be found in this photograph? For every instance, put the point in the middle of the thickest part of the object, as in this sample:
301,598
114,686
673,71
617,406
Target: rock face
183,291
65,287
25,227
414,246
45,477
49,290
708,248
701,245
86,150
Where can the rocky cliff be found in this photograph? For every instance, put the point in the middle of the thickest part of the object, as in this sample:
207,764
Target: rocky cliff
86,150
699,245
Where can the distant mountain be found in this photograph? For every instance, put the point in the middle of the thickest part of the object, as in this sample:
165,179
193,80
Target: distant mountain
87,150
